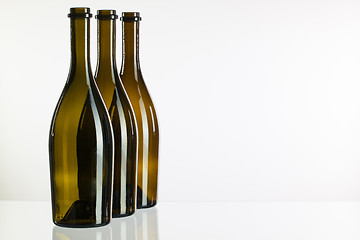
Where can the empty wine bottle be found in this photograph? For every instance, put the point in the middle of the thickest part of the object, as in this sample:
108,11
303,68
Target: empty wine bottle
81,140
148,132
121,114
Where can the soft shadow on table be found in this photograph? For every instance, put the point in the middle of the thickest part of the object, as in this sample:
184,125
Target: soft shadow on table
143,225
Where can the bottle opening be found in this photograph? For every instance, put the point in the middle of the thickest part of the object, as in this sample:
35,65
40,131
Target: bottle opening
79,13
130,17
106,15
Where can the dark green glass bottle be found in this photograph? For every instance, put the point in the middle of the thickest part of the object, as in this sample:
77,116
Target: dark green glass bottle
121,114
147,125
81,140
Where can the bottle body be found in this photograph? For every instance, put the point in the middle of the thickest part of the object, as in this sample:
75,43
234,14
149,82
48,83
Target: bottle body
146,119
121,115
81,141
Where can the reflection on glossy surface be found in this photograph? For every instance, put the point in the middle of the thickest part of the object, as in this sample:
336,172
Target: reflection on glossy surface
100,233
123,228
147,224
143,225
272,220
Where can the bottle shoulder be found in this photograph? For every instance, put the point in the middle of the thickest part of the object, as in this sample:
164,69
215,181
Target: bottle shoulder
140,100
134,84
77,98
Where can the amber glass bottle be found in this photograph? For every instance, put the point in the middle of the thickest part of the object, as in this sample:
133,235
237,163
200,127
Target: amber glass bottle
81,140
121,114
148,132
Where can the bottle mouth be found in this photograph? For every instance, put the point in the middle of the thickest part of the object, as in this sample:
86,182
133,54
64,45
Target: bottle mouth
106,15
80,13
130,17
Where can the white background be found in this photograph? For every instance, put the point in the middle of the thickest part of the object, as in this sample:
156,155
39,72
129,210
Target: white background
256,100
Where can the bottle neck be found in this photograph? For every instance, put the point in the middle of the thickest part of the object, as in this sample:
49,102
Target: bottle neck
106,45
80,44
130,48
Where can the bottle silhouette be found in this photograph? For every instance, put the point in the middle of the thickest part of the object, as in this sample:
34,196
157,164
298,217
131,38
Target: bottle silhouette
147,126
121,114
81,140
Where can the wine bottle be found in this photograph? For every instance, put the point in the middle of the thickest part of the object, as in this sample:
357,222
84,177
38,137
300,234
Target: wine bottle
121,114
147,125
81,140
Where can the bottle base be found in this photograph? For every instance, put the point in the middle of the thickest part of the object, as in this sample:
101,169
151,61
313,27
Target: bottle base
81,225
123,215
81,214
149,205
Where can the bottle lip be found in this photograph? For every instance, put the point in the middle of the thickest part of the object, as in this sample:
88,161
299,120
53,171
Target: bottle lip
130,17
106,14
80,12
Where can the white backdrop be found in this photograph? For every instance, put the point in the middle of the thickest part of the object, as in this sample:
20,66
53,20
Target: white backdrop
256,99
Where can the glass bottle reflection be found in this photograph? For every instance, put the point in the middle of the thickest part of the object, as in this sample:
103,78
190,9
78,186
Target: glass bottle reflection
124,228
147,224
143,225
100,233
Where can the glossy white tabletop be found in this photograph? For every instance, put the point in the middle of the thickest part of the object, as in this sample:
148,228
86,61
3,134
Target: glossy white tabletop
194,220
